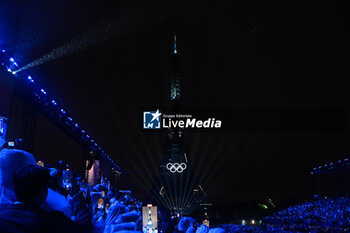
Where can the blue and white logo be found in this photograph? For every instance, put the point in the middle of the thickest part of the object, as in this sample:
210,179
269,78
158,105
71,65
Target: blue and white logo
151,120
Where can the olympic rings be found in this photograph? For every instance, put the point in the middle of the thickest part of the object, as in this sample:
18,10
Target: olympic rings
176,167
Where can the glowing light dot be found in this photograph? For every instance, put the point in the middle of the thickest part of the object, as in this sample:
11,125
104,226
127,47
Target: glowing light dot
30,79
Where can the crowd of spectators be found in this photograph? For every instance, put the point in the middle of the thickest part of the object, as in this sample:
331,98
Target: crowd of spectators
322,214
39,199
318,215
34,199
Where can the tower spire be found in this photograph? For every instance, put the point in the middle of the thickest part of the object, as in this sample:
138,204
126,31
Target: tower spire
175,86
174,44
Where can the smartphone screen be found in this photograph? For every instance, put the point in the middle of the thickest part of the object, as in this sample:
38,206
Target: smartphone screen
67,179
100,203
149,219
11,144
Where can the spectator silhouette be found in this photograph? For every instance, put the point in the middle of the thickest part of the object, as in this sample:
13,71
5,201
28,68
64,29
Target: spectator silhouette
25,216
11,160
185,223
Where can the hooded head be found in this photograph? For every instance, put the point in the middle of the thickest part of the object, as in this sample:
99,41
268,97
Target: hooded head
12,160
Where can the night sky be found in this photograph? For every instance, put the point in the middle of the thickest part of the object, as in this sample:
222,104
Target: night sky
235,54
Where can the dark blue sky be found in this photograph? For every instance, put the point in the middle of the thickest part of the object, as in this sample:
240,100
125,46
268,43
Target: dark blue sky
249,54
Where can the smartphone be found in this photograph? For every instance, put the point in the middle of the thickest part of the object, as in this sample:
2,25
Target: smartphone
149,219
100,203
67,176
11,144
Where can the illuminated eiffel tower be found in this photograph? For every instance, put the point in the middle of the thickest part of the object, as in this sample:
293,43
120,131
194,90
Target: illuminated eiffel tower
179,190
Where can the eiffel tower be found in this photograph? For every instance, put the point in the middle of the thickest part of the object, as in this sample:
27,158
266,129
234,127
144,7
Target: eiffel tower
178,189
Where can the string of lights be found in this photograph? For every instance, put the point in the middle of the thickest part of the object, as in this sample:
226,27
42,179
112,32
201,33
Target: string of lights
55,109
331,166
